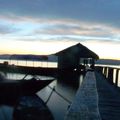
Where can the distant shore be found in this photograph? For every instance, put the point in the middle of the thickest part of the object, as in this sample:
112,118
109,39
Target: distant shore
108,62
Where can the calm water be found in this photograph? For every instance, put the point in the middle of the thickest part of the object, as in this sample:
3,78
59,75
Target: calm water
31,63
65,88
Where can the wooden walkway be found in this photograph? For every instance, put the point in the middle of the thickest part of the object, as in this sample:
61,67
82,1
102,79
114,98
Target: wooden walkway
109,99
85,103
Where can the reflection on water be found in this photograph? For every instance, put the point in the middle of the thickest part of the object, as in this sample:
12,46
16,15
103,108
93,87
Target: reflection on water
16,76
65,90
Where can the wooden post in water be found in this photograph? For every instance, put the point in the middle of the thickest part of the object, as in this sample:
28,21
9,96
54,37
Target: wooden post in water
110,75
116,79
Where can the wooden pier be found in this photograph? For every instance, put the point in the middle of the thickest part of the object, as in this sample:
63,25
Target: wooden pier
85,104
98,98
109,99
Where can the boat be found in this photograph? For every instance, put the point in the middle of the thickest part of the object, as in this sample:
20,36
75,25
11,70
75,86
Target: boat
31,108
15,88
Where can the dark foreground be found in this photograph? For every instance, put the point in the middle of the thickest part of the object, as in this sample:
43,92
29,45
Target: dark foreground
25,108
55,105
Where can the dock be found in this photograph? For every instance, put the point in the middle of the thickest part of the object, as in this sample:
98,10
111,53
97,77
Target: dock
109,99
96,99
85,104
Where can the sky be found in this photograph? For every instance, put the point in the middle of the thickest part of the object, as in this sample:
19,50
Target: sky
48,26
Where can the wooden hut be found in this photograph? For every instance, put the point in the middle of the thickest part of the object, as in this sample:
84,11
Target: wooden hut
69,58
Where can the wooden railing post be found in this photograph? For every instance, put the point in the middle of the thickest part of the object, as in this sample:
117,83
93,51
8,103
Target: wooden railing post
116,79
110,75
105,71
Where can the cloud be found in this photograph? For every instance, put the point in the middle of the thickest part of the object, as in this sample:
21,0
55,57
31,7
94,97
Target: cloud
103,11
90,22
4,29
48,29
77,29
63,26
61,19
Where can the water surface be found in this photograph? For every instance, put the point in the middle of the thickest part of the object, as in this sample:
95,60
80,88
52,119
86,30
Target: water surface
65,90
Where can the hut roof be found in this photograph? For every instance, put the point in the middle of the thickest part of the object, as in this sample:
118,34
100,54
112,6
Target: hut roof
80,50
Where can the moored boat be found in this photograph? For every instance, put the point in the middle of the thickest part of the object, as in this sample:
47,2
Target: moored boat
13,88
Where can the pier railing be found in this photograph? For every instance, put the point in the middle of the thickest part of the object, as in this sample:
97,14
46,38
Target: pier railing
111,74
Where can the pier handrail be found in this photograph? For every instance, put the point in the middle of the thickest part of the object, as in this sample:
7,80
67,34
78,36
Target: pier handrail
110,74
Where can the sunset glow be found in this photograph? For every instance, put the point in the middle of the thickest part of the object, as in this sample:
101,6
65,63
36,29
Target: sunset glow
27,28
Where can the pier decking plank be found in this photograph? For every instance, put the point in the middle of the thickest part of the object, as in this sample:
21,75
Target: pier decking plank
109,99
85,104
